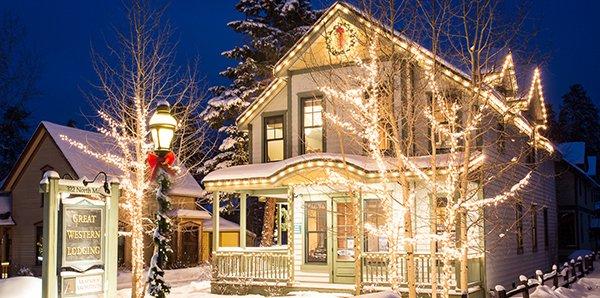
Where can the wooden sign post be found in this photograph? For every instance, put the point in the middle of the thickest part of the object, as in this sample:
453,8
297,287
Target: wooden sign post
80,238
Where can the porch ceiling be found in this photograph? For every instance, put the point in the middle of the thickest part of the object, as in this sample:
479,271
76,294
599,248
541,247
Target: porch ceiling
312,169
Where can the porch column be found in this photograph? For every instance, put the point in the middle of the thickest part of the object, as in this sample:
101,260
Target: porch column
291,234
179,241
200,228
242,235
215,221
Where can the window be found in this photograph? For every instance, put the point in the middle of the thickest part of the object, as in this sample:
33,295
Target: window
316,232
374,220
274,139
519,218
438,105
312,125
441,204
39,244
534,234
345,231
546,239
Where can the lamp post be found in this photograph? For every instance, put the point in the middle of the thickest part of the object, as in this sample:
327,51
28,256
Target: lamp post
162,130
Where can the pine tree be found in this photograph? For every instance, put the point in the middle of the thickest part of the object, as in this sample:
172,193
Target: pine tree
552,132
272,27
19,74
579,119
13,126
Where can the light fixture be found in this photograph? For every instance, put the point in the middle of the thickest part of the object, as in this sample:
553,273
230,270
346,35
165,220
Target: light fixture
162,128
105,185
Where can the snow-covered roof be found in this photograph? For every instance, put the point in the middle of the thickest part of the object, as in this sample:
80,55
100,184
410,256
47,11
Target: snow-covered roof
574,152
267,170
88,166
6,210
189,213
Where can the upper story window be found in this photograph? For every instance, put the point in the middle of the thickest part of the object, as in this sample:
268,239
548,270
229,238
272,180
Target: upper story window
274,139
312,125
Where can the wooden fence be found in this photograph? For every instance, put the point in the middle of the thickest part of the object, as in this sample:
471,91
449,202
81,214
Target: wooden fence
567,275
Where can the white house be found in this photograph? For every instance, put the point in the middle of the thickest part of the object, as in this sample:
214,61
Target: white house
293,151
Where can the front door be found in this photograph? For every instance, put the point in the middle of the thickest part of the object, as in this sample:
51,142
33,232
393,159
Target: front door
343,240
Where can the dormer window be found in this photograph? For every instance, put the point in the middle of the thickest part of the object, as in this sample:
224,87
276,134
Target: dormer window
312,125
274,139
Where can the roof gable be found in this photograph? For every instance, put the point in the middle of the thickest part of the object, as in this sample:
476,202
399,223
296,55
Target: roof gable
83,164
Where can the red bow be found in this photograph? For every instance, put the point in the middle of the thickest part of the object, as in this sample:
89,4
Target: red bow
165,162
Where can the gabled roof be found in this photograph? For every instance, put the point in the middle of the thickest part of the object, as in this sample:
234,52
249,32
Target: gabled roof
421,54
84,164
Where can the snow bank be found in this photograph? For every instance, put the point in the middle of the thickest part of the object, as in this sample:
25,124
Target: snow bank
21,287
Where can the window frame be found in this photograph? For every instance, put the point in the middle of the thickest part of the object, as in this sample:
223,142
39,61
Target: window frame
39,235
307,233
265,141
302,101
519,227
366,234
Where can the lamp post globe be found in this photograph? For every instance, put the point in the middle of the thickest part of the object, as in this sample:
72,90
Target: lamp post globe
162,128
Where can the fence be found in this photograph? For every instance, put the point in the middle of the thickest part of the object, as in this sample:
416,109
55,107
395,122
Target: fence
569,273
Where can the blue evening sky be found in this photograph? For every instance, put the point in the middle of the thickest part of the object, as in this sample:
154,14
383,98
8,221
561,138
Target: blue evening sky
62,33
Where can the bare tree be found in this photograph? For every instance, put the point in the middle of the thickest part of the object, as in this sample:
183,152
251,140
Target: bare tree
137,75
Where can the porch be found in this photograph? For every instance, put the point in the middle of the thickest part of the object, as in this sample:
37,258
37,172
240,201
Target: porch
321,250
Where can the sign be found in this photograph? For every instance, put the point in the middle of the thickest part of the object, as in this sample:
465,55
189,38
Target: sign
80,237
82,233
86,284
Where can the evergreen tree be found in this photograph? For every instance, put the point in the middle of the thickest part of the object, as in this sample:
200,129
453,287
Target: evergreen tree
579,119
19,73
552,132
13,126
271,28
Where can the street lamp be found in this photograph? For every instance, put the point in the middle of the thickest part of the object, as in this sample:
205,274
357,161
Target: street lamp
162,128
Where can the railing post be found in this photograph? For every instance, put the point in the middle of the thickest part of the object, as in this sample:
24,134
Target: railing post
291,234
500,291
555,278
574,270
540,276
566,278
523,279
581,267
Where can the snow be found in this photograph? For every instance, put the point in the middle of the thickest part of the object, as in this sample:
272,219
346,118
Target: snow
574,152
579,253
88,166
5,211
266,170
21,287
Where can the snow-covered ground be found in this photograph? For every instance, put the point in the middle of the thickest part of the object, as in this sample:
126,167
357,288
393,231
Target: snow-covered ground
194,283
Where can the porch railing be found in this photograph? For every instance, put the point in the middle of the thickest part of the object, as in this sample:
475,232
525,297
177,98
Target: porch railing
252,264
375,269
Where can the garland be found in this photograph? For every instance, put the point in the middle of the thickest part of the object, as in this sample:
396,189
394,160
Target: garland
158,287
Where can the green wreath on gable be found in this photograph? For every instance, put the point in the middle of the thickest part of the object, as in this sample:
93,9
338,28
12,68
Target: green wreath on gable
341,28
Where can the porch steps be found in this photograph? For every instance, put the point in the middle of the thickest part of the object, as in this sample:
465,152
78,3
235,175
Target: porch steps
311,277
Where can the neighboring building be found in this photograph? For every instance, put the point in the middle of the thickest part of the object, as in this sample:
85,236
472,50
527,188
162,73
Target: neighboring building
21,212
577,193
292,148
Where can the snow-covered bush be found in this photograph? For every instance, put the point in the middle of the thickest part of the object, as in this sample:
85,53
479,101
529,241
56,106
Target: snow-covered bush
24,271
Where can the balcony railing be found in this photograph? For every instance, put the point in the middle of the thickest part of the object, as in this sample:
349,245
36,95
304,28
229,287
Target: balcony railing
257,265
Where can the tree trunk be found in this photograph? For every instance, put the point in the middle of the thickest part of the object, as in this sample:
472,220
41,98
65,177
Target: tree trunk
268,222
137,253
358,235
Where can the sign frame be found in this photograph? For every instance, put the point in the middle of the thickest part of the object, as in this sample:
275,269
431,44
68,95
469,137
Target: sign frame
82,203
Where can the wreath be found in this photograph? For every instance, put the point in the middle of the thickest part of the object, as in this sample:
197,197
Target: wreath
341,39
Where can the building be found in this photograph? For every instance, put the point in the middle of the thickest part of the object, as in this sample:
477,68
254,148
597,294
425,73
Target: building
21,212
577,194
293,150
